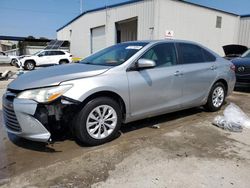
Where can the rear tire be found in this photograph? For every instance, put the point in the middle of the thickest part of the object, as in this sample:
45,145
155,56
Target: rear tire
13,62
61,62
98,122
216,97
29,65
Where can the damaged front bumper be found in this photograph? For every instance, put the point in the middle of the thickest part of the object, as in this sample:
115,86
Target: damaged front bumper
29,119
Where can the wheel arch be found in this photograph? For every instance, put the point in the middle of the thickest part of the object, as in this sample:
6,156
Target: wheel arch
29,60
109,94
65,59
224,82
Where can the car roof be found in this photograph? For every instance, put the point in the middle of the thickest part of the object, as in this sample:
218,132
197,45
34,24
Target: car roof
159,41
53,50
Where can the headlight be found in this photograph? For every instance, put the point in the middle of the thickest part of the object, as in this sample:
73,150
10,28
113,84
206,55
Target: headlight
44,95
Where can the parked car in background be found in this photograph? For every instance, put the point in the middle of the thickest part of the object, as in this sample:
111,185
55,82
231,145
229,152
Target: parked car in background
44,58
233,51
119,84
7,59
242,67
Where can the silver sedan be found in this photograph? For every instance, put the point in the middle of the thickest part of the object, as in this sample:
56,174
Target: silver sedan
120,84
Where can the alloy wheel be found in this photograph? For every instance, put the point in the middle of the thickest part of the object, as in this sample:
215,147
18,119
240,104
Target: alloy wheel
101,122
218,96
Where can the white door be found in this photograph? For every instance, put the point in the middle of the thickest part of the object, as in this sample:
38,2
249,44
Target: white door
4,58
43,58
98,39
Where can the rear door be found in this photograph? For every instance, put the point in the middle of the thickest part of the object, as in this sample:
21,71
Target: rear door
58,55
156,90
198,68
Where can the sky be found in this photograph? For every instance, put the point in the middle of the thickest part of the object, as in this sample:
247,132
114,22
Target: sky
41,18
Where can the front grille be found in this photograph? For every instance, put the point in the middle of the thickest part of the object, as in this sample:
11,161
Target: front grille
9,115
243,79
242,70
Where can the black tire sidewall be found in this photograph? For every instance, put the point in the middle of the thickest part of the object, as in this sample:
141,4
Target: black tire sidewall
80,129
12,63
62,62
210,106
26,63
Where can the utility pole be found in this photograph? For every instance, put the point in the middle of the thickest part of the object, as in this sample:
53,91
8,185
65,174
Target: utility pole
81,6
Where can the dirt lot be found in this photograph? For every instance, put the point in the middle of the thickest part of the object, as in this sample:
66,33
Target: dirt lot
186,151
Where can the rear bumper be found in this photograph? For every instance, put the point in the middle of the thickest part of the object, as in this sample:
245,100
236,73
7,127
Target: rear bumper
19,119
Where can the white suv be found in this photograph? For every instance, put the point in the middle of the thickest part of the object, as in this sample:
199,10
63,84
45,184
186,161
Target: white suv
45,58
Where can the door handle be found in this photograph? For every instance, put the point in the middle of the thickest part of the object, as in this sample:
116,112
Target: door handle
213,67
178,73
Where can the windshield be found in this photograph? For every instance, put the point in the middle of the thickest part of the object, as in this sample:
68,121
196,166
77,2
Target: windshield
246,54
114,55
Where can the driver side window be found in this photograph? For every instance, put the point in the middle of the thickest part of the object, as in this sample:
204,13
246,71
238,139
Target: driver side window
41,54
163,55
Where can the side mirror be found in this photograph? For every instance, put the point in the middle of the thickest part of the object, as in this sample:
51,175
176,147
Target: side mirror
145,63
40,55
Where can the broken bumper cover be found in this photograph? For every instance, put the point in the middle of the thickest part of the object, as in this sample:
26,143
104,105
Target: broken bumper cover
19,119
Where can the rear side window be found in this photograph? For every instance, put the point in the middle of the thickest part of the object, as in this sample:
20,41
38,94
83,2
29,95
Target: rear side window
190,53
56,53
208,57
59,53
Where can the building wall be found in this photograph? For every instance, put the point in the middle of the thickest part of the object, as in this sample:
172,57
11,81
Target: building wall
190,22
79,32
244,32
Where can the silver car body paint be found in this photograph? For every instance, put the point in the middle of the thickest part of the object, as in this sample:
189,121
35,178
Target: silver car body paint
54,75
145,93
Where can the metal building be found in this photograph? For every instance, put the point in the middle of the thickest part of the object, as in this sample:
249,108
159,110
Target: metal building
244,31
152,19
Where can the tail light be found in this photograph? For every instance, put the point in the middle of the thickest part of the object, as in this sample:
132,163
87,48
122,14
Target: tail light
232,67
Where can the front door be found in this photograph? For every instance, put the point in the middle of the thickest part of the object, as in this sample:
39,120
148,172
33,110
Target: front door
44,58
156,90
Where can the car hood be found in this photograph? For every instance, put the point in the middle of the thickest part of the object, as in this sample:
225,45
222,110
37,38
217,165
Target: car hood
234,49
24,56
55,75
241,61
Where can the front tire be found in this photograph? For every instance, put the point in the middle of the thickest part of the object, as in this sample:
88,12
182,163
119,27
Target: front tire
98,122
29,65
216,97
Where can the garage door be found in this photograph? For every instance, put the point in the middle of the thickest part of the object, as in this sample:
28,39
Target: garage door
98,39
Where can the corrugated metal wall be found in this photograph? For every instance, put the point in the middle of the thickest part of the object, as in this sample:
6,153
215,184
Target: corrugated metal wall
244,32
80,29
188,22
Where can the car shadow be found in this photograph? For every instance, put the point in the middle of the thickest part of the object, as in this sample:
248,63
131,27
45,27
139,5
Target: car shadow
31,145
64,135
242,89
150,122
